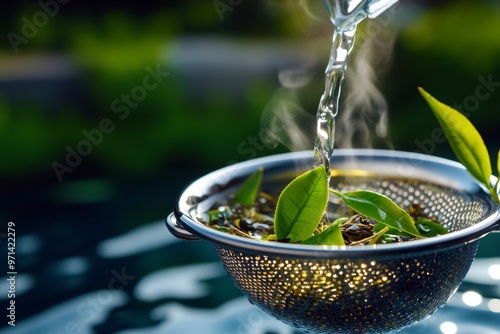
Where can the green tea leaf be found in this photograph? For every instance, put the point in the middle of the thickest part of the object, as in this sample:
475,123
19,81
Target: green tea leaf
391,235
429,228
393,231
464,139
498,163
332,236
389,238
301,205
495,189
248,191
380,208
220,213
270,237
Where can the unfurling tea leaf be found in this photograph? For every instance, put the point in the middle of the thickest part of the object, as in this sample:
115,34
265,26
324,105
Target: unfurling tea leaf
301,205
247,194
332,236
380,208
464,139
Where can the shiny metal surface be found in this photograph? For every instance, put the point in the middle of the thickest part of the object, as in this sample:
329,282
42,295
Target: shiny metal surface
438,171
368,289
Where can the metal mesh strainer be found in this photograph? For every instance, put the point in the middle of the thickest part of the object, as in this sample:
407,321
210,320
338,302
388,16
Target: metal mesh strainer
357,289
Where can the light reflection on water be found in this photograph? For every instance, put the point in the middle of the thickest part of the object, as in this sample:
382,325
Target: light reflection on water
28,244
448,327
485,271
236,316
24,283
76,265
77,315
239,316
457,317
472,298
494,271
494,305
178,295
140,239
233,317
185,282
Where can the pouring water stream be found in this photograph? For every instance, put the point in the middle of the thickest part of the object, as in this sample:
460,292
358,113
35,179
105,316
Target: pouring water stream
345,16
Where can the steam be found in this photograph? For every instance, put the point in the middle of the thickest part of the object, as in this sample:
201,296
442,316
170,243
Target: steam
288,122
294,78
363,117
306,6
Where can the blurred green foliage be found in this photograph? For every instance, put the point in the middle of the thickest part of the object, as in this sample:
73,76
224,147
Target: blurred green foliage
465,32
111,52
445,49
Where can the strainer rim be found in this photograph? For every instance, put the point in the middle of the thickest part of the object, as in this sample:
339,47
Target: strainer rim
430,245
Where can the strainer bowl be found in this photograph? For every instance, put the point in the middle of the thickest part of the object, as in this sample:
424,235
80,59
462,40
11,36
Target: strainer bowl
350,289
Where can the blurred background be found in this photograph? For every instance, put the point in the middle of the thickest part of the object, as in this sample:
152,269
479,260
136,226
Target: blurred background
108,110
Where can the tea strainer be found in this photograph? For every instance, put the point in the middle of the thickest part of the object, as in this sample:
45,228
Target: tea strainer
351,289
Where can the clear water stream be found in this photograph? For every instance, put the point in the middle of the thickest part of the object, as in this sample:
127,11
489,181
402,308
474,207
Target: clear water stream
345,15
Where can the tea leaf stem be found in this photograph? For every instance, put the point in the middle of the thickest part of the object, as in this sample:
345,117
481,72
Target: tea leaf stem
372,240
494,192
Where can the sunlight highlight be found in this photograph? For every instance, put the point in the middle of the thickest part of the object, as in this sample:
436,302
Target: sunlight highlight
448,327
472,298
494,271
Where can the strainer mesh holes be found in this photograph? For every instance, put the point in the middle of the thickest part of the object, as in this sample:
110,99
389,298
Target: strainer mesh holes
369,295
455,210
349,296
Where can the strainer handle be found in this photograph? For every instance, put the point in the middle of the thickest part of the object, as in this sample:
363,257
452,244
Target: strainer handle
177,230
